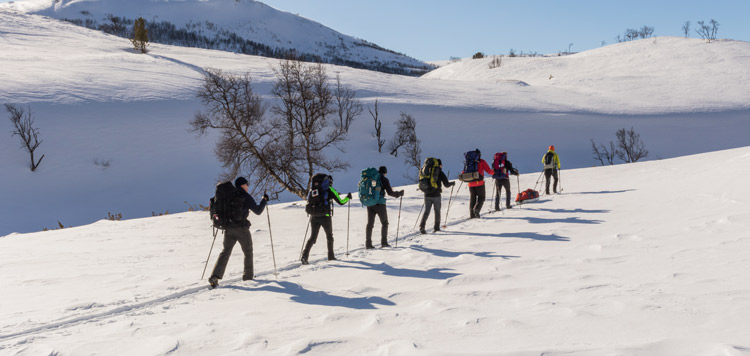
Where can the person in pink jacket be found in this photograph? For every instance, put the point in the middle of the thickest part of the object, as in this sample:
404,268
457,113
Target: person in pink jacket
477,192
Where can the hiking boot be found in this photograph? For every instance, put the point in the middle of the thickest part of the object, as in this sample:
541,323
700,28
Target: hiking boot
213,281
304,261
436,229
384,245
332,258
476,214
369,247
508,207
422,231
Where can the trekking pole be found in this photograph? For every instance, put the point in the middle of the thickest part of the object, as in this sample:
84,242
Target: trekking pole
216,232
348,211
450,199
518,186
398,223
304,237
418,215
494,199
273,254
537,180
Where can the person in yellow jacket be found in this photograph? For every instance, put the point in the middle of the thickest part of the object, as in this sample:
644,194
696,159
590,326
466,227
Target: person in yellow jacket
551,162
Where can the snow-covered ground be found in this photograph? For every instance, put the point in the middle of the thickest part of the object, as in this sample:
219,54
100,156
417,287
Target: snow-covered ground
94,99
250,20
628,260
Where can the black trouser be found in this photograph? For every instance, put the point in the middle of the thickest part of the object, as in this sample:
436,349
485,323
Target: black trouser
233,235
476,199
382,213
547,173
431,203
315,224
499,184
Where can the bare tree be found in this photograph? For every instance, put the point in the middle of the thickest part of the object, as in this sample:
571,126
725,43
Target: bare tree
496,62
686,29
23,126
630,147
378,126
604,154
281,152
405,133
706,32
646,32
348,106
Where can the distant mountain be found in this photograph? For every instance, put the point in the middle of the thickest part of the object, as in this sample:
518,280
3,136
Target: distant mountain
241,26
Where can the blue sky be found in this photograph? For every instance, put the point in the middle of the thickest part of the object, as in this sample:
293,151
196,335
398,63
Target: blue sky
439,29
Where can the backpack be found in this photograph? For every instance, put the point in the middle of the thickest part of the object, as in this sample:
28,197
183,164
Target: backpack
471,167
226,206
369,187
318,202
498,165
429,176
549,160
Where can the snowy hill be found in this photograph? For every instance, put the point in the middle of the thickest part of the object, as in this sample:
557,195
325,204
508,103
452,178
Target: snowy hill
629,260
242,26
95,100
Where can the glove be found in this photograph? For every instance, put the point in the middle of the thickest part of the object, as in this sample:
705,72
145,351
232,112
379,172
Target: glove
265,197
452,184
401,193
349,196
515,171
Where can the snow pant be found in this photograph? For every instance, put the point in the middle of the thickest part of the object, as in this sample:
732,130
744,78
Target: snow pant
315,224
382,213
431,203
553,173
233,235
499,184
476,200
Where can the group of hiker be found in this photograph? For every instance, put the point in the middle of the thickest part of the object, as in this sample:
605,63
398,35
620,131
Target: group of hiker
231,205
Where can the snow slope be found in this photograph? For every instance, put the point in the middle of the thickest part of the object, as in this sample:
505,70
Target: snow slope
629,260
96,100
249,19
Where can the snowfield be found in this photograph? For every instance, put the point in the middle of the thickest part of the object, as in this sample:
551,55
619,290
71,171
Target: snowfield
628,260
640,259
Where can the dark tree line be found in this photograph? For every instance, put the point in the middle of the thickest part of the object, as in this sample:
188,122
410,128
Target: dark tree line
192,35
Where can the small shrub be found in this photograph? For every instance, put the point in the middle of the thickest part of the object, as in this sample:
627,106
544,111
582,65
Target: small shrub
153,213
478,55
115,217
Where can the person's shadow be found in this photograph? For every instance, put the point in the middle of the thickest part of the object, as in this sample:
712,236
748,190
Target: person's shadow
388,270
301,295
451,254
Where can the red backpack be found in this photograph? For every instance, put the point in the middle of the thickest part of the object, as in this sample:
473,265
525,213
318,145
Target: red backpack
498,165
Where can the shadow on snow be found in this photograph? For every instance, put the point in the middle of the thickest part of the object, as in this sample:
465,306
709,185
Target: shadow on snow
434,273
301,295
444,253
522,235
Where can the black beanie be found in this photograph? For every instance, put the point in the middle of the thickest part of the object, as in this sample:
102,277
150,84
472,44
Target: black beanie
240,182
382,170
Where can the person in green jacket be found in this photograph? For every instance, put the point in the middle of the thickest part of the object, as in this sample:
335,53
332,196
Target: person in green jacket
551,162
324,220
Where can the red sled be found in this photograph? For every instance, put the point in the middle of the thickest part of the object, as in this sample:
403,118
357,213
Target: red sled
527,194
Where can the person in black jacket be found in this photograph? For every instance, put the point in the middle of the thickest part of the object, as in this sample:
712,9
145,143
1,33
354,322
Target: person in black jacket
502,180
432,200
380,210
239,233
324,221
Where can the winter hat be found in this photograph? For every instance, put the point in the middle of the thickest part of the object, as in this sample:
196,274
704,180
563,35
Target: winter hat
382,170
552,148
240,182
479,152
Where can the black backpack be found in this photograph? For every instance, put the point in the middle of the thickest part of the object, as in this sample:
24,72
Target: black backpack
549,162
318,201
226,206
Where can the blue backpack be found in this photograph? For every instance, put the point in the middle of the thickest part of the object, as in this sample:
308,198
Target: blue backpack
318,202
471,161
369,187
